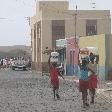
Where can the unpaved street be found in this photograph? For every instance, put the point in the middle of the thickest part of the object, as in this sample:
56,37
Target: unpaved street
27,91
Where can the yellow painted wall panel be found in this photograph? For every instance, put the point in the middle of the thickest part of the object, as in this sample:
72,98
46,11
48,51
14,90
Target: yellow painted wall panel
110,60
95,41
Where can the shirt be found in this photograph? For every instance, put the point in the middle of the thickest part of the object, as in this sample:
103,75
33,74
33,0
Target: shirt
84,74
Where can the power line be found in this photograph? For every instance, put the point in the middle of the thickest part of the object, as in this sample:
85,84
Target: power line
2,18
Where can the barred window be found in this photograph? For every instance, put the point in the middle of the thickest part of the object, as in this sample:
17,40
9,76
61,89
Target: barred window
91,27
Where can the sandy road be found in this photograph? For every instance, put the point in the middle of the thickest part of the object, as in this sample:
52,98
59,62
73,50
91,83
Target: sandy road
27,91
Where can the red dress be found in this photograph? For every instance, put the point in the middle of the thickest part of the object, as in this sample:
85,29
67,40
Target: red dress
54,73
93,77
83,85
93,81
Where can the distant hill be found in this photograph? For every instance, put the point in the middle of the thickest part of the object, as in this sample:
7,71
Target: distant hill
8,48
13,51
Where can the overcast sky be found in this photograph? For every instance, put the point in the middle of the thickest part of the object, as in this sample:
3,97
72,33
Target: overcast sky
14,28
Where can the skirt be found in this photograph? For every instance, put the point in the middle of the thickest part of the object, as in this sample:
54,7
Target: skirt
83,85
92,81
55,84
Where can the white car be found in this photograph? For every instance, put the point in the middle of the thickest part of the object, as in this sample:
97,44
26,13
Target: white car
19,64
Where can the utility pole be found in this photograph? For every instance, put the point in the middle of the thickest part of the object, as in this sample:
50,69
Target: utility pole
76,26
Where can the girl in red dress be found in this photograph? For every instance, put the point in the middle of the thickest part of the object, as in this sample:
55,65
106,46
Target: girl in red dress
54,73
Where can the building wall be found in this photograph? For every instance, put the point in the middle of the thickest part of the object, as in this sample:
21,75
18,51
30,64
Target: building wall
46,38
62,5
46,11
108,44
110,60
69,31
110,53
71,56
101,16
33,21
99,42
38,45
70,47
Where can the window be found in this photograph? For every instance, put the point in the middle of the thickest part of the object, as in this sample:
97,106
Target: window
58,31
91,27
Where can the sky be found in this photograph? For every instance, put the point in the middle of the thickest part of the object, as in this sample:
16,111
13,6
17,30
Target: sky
14,27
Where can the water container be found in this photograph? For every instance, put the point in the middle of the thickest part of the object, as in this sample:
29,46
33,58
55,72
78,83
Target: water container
54,57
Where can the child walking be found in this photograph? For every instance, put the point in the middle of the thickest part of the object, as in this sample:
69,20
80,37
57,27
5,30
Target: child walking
54,73
83,81
92,67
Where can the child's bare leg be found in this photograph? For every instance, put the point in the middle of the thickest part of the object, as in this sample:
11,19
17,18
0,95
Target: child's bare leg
84,98
57,94
54,89
92,94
